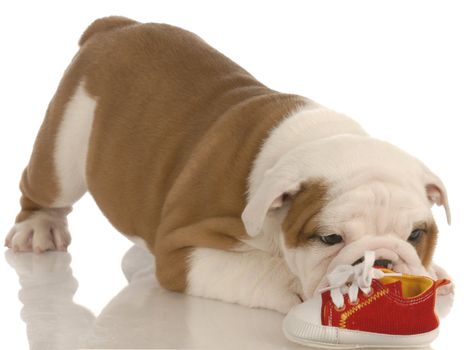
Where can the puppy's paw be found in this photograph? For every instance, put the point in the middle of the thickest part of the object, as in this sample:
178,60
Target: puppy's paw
282,301
42,231
287,303
437,272
444,300
445,294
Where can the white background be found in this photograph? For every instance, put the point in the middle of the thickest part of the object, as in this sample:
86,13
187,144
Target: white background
403,69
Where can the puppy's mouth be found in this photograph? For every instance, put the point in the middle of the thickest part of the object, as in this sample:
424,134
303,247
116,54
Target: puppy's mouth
385,263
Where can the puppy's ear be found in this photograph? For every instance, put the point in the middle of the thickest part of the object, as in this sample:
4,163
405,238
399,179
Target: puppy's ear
271,194
436,193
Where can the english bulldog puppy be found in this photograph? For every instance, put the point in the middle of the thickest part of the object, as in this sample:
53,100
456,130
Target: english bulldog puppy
242,193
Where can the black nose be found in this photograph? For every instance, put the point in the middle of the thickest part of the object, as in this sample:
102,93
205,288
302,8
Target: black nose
383,263
379,262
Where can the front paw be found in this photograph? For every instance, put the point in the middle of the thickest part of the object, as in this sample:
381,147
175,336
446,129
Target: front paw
444,302
44,230
437,272
282,302
444,294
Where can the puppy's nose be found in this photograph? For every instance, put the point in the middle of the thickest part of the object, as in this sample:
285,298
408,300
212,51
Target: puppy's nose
379,262
383,263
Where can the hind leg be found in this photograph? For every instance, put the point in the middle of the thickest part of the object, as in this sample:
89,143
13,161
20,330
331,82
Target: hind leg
55,176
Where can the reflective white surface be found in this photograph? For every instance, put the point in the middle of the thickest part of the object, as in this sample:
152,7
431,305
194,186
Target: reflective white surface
141,315
87,300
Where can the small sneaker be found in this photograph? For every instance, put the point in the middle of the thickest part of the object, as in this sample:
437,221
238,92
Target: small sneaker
367,306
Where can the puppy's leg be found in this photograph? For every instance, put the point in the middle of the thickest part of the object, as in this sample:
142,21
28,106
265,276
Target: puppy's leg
254,278
55,176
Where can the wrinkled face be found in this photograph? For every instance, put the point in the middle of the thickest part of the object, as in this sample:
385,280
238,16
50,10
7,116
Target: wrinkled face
326,202
323,228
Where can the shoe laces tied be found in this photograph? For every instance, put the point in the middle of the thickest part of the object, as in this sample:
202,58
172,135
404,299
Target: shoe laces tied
348,279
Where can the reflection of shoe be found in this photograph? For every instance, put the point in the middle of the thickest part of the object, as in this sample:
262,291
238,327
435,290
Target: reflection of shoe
367,306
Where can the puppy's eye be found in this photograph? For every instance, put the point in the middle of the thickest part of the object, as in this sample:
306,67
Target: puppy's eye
415,235
331,239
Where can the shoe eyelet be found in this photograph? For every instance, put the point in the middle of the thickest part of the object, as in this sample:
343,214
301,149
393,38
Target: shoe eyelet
340,309
370,293
354,302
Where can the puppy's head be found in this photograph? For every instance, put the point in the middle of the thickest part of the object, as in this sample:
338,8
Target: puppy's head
325,203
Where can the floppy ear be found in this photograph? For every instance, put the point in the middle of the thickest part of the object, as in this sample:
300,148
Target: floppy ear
437,194
270,195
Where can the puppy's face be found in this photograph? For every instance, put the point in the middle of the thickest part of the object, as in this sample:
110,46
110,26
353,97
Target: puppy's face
325,227
328,202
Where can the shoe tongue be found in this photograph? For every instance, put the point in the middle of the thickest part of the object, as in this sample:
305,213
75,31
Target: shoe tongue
395,287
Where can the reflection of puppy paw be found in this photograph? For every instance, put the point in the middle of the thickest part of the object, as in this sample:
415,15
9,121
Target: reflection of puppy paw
44,230
32,265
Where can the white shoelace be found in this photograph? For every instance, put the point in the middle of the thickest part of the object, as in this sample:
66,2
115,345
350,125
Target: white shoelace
358,277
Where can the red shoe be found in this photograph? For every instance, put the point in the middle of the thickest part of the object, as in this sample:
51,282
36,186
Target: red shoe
367,306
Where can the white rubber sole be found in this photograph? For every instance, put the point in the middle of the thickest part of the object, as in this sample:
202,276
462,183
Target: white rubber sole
308,334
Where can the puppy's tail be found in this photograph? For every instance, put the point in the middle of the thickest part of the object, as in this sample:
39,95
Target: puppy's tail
105,24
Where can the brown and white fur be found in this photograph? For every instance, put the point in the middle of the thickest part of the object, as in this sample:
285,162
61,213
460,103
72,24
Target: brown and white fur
228,183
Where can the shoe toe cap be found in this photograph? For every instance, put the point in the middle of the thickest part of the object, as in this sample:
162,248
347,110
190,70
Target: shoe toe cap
309,311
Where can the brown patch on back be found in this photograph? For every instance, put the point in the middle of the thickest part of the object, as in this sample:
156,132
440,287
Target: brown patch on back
299,223
427,244
176,129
